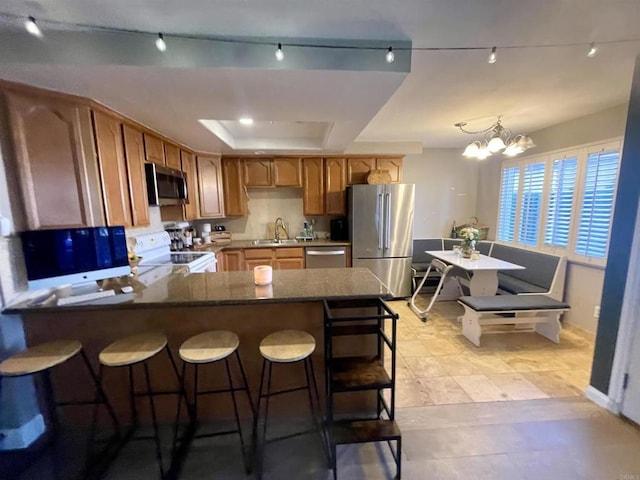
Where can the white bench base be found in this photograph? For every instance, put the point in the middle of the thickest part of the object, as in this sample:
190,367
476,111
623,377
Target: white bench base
546,322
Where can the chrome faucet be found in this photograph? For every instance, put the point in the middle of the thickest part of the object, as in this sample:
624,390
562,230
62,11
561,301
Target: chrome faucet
280,224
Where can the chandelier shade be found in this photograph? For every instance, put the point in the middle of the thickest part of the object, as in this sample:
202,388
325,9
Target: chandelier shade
495,138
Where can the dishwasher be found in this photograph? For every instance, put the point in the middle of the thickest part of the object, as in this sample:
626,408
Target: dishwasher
326,257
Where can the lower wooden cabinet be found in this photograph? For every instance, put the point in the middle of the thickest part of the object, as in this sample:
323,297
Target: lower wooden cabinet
289,263
233,261
278,258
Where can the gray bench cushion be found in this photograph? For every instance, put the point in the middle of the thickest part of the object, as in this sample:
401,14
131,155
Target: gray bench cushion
420,246
510,303
484,247
449,243
539,267
515,286
420,267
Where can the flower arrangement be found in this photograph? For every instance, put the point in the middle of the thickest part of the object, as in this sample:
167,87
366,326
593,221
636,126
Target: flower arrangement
469,234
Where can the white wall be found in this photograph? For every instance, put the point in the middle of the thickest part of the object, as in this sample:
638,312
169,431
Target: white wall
446,186
583,287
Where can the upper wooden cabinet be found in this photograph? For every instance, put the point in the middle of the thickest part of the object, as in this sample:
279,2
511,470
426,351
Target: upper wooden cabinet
286,172
191,209
210,187
172,156
154,150
235,197
134,155
335,175
358,168
113,169
313,186
55,161
257,173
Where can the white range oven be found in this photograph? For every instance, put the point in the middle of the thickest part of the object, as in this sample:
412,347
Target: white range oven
155,250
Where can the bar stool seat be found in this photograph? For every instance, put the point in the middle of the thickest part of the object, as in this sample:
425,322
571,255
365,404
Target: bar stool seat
133,349
39,358
287,346
209,347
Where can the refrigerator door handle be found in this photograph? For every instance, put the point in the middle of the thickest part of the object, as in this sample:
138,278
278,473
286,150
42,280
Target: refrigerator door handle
380,224
387,216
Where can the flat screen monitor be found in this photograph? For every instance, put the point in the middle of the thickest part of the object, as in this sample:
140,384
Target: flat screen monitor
74,255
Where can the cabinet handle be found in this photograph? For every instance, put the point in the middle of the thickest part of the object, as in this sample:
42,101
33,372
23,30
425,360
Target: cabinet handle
321,253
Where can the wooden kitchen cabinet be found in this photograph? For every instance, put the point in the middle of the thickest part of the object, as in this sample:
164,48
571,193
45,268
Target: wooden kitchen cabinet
289,258
233,261
113,169
188,164
286,172
235,197
137,181
211,199
172,156
335,170
257,173
313,186
220,263
393,165
358,170
154,150
55,161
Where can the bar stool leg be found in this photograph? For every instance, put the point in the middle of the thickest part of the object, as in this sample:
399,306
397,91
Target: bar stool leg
177,419
154,420
55,425
100,391
132,400
235,411
181,389
245,383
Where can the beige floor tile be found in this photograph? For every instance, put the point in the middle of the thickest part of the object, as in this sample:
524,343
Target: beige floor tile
426,367
458,365
480,388
538,361
444,390
552,384
516,386
490,364
576,378
412,348
410,393
441,346
574,360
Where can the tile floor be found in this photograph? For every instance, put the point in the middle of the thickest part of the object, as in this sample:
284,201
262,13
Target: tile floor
436,365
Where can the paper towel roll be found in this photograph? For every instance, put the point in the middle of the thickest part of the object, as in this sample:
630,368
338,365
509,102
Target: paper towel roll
206,228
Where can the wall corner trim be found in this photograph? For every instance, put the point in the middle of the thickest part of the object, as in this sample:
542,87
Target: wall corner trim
602,400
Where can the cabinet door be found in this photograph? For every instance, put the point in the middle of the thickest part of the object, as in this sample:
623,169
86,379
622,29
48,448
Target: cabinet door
286,172
172,156
235,198
220,263
358,169
233,260
134,155
393,165
113,169
154,151
257,173
191,209
289,264
313,186
210,187
55,161
250,264
336,186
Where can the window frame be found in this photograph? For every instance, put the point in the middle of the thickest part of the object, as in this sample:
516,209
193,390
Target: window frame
581,153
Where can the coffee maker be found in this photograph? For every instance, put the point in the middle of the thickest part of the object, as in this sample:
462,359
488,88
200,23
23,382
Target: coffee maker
339,229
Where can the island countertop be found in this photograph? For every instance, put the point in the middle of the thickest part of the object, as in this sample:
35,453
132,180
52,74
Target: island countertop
233,288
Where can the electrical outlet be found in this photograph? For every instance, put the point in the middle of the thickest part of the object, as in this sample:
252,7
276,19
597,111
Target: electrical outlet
596,311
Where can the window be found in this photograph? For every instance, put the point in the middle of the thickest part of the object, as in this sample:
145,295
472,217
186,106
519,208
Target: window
563,181
561,202
596,209
508,204
531,203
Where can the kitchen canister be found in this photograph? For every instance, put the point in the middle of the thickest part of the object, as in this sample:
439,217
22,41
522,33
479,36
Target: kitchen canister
206,228
262,275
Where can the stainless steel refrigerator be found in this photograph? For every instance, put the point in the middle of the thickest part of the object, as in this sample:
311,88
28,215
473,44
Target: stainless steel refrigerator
381,232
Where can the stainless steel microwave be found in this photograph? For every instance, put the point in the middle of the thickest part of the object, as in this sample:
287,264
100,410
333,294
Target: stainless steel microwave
165,186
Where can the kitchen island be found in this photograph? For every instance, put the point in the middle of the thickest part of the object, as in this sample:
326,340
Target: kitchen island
181,306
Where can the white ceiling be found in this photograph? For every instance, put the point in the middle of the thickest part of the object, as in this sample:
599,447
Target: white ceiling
531,88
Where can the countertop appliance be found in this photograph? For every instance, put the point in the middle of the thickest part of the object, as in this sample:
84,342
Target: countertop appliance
155,250
165,186
325,257
338,229
381,230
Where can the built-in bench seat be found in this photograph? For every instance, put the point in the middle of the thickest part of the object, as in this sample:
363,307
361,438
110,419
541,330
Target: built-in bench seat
541,311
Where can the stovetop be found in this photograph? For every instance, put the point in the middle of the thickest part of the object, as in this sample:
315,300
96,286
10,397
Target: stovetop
177,258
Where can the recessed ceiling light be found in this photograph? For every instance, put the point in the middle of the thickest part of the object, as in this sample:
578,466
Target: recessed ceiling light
246,121
259,152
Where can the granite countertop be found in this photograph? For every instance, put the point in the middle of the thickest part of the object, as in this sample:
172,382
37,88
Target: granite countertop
236,244
233,288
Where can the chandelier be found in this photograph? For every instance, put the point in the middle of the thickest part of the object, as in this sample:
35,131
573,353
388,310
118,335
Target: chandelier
496,138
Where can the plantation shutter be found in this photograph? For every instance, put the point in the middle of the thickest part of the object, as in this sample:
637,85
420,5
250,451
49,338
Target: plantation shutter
508,203
563,181
596,209
531,203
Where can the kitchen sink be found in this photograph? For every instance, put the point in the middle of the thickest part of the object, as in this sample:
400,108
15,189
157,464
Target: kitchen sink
274,242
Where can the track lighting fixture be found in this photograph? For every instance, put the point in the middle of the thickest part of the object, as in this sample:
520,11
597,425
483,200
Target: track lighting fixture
160,43
279,53
592,50
32,27
390,56
493,57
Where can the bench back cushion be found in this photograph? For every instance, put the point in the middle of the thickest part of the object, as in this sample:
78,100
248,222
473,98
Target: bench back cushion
539,267
484,247
449,243
421,245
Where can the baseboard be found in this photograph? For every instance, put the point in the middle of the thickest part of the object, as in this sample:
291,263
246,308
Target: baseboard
600,399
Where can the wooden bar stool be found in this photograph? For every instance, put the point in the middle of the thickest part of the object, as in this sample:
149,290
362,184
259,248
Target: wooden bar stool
207,348
134,350
41,359
285,347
